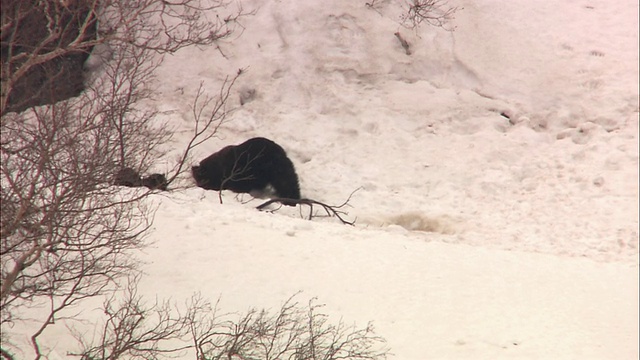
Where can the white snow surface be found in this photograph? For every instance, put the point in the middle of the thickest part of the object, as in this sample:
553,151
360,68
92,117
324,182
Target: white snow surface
477,236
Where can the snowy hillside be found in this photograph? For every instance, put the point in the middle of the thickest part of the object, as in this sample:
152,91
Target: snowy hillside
424,132
496,167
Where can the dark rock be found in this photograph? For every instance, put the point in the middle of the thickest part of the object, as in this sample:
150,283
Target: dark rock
25,28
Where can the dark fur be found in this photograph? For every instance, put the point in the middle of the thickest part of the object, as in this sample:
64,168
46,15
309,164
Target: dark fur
250,166
155,182
130,178
127,177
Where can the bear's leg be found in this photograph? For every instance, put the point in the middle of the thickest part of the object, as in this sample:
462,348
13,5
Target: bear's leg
285,181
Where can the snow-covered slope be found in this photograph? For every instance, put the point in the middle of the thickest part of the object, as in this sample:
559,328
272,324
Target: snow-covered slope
423,133
497,168
455,198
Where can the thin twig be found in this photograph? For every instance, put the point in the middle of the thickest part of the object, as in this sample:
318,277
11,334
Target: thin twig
331,210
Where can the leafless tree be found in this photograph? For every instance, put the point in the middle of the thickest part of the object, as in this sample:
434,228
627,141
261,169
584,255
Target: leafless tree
292,332
66,234
436,13
433,12
38,36
133,329
209,114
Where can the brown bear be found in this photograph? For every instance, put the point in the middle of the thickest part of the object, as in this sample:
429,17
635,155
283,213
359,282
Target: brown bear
155,182
127,177
249,167
130,178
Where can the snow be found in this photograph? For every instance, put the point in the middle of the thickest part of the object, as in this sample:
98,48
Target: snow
478,235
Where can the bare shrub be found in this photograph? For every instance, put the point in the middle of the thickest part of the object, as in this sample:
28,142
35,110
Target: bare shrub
66,235
436,13
34,55
209,114
132,329
292,332
433,12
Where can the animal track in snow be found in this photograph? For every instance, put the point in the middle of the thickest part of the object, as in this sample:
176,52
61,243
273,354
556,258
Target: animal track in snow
417,221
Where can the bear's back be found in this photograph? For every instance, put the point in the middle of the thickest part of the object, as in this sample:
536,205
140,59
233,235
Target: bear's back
258,147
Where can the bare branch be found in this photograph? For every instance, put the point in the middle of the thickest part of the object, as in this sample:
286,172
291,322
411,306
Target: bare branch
433,12
403,42
330,210
436,13
46,42
209,114
67,234
292,332
134,329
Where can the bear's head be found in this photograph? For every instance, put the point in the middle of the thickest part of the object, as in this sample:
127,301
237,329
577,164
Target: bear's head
207,177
